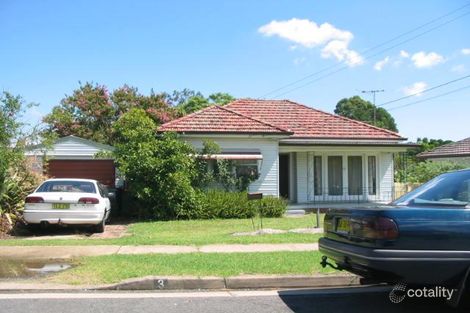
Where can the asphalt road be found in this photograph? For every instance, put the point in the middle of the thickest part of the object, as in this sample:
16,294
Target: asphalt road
351,300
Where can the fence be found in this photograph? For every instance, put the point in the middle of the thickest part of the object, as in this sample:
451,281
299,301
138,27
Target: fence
360,195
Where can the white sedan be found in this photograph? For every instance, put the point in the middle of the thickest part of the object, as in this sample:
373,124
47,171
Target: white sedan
69,201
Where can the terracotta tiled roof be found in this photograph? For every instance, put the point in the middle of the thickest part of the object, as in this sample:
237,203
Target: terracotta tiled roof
307,122
218,119
278,115
455,149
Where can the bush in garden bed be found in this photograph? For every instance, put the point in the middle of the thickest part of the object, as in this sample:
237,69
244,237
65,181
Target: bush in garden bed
223,204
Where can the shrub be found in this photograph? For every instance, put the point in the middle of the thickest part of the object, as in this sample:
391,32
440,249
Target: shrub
17,185
270,206
222,204
424,171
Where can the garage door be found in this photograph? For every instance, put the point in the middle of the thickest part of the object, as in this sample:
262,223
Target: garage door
101,170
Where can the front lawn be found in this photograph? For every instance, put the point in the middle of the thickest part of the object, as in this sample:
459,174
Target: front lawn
115,268
195,232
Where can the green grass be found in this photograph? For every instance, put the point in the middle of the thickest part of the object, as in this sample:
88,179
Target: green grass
115,268
196,232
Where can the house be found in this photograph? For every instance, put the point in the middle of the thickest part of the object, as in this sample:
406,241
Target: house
456,152
74,157
301,153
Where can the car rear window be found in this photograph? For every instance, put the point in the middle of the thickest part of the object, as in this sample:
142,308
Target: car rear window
451,189
67,186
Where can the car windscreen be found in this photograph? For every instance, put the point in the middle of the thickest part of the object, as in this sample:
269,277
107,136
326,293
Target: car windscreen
67,186
451,189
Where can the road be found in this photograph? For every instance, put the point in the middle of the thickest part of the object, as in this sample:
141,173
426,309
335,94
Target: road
351,300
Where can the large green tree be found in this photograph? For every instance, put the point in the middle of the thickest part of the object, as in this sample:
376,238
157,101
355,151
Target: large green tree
361,110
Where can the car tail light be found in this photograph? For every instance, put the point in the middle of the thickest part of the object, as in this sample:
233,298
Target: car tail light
34,200
374,228
88,200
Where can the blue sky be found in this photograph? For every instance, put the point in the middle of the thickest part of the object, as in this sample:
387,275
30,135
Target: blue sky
246,48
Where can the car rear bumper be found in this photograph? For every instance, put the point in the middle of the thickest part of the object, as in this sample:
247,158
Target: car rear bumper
63,217
435,267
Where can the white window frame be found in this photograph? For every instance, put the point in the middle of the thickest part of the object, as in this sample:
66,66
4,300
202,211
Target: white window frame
345,196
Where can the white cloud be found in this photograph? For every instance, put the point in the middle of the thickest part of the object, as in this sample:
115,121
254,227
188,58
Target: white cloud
415,89
339,50
422,59
309,34
404,54
380,64
460,68
465,51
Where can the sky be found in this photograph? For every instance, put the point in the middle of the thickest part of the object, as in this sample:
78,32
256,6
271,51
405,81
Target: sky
249,49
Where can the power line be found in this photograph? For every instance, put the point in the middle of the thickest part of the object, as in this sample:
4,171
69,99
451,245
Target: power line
430,98
425,90
369,57
370,49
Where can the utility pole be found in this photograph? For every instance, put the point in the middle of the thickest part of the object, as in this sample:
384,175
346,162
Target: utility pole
373,92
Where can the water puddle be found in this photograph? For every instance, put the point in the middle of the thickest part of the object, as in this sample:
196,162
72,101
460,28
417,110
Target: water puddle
26,269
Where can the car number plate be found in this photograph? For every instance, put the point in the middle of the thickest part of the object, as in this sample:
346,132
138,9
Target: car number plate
61,206
342,225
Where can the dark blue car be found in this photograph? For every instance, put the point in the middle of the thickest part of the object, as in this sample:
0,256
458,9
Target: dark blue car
421,238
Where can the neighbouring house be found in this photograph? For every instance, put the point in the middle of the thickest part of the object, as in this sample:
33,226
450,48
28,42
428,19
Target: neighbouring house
456,152
74,157
301,153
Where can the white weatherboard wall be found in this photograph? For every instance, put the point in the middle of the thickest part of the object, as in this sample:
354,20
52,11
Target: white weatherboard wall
268,181
72,147
386,175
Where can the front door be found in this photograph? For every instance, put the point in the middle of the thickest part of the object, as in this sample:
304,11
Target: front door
284,175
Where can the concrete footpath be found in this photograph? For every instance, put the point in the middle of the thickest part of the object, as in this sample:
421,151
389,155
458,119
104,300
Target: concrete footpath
68,252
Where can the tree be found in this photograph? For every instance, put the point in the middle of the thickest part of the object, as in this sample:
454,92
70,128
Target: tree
221,98
88,113
361,110
178,97
16,179
407,165
198,102
423,171
91,110
160,171
11,108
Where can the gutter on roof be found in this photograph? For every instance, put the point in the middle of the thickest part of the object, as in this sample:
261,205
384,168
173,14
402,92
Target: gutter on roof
437,156
349,144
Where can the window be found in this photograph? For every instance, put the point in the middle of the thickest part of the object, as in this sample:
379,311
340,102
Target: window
335,175
450,189
67,186
354,175
246,168
317,175
372,175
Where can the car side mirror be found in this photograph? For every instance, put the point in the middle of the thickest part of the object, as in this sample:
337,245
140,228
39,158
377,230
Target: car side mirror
111,195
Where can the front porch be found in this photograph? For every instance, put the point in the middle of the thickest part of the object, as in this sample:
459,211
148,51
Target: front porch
324,177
